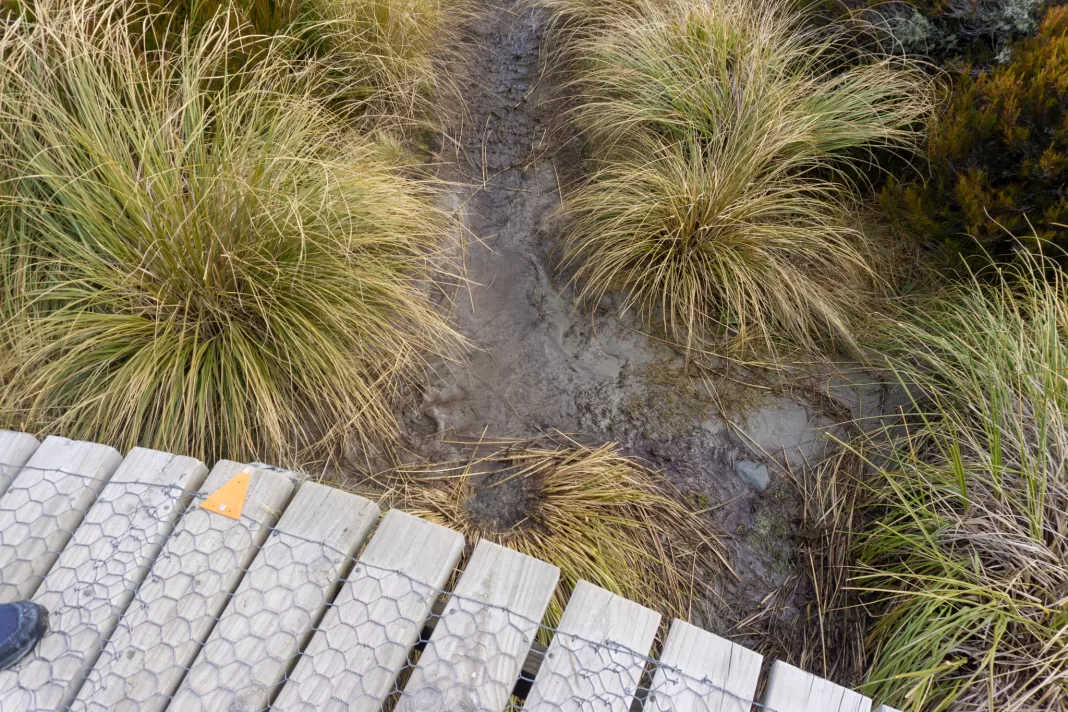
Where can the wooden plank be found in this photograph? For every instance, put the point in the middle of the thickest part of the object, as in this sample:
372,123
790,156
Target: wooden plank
473,658
15,450
279,602
95,576
182,597
701,672
366,636
534,656
885,708
44,505
792,690
597,655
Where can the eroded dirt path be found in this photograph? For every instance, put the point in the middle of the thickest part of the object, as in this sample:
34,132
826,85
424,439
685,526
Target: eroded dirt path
538,364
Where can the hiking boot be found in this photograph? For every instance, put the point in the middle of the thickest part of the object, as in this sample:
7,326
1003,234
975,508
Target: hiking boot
22,624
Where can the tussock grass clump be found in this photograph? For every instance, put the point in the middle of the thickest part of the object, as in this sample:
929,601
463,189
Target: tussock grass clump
596,514
204,263
384,55
380,60
730,139
967,559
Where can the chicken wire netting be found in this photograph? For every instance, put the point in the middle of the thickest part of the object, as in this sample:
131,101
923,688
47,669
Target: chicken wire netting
156,603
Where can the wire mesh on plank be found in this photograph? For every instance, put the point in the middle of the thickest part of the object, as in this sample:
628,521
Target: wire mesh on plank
158,604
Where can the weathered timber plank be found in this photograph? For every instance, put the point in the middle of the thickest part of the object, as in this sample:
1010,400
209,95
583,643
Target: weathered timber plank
473,658
363,642
792,690
15,450
280,600
96,574
701,672
597,655
44,505
182,597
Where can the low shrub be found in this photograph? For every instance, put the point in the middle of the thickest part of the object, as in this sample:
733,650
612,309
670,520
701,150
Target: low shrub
203,264
596,514
965,561
982,30
728,141
998,157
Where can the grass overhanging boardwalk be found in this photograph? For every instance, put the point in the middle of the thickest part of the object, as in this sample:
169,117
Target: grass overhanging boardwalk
312,600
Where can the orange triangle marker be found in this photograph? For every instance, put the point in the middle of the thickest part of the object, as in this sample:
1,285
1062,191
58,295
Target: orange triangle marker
229,499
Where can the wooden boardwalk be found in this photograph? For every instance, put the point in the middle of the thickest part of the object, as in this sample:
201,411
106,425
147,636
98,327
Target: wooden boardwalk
312,600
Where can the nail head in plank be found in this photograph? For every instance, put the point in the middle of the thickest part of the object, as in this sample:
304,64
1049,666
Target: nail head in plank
279,602
701,672
473,658
95,576
597,655
44,505
182,597
790,689
368,632
15,449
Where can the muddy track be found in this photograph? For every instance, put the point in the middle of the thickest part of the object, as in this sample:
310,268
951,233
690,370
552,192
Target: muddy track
539,364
